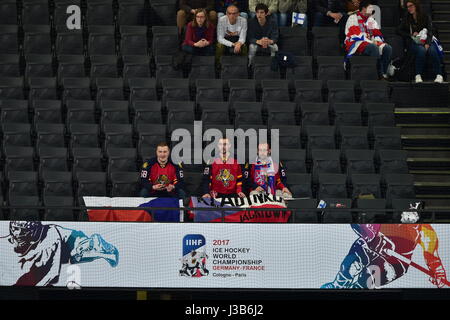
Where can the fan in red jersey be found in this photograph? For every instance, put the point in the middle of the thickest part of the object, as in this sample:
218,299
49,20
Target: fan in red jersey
223,175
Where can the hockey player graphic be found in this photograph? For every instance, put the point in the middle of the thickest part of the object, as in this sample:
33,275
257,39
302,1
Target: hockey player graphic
194,265
383,253
40,251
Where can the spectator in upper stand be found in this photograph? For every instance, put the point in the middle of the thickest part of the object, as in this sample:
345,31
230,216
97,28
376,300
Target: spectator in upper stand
417,30
199,38
271,4
231,34
188,8
329,13
222,5
364,37
262,33
287,7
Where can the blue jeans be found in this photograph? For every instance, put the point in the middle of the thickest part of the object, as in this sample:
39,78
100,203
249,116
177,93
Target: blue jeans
421,55
205,51
242,14
384,59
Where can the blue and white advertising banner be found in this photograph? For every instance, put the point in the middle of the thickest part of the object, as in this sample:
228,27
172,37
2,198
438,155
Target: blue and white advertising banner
202,255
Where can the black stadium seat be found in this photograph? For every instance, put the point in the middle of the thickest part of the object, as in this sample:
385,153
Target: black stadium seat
393,161
399,186
304,210
14,111
202,67
11,88
280,112
314,114
233,67
84,135
365,184
131,12
46,111
118,136
19,158
100,12
35,12
86,159
164,11
24,214
135,67
70,66
347,114
76,89
326,41
121,160
50,135
294,40
209,90
68,41
374,91
23,183
352,137
9,65
109,89
80,111
146,112
165,40
37,39
175,90
325,161
293,160
103,66
242,90
55,208
341,91
9,43
57,183
52,159
330,68
274,90
360,161
368,216
332,185
302,71
133,40
8,12
91,184
300,185
165,69
124,184
308,91
142,89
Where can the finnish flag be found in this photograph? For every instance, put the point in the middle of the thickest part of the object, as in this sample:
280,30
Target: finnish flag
298,18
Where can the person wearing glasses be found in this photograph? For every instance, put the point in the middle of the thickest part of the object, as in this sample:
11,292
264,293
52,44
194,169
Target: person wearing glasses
199,36
231,34
417,30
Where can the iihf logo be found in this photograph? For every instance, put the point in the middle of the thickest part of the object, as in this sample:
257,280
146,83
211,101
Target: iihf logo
194,256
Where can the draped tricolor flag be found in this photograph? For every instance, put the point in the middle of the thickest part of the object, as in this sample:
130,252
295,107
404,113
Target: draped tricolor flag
239,209
108,209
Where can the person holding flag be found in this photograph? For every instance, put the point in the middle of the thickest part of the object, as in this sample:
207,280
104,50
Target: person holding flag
223,175
265,175
298,8
364,37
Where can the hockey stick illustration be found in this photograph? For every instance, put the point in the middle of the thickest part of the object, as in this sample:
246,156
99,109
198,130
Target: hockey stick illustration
415,265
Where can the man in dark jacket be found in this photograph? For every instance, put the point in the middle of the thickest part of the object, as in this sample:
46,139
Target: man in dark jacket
187,10
262,33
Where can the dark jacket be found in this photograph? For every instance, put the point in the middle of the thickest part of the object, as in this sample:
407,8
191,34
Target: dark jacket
256,31
323,6
408,26
188,5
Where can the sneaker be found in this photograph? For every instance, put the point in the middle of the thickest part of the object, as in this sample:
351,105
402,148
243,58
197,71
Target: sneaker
439,79
419,78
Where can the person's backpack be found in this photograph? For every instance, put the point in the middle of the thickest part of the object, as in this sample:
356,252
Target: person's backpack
406,70
283,59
